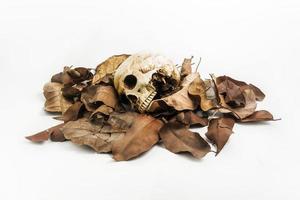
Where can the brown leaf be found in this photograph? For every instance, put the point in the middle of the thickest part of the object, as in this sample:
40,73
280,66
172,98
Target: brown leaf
122,120
198,89
241,112
258,93
226,83
177,138
186,68
73,112
44,135
101,114
57,78
98,137
219,131
232,91
55,102
140,137
258,116
108,67
96,95
190,118
179,100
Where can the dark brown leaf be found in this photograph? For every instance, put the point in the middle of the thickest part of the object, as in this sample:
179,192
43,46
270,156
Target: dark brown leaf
219,131
140,137
177,138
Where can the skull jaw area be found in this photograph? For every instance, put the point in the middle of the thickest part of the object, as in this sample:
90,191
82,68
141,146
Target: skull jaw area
144,103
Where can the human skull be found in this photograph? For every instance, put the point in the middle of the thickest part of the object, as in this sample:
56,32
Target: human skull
135,78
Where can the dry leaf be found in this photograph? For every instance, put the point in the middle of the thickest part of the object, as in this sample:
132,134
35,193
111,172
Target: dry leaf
122,120
198,89
55,102
219,131
177,138
140,137
241,112
189,118
74,112
96,95
83,132
259,95
258,116
107,68
52,132
180,100
101,114
186,68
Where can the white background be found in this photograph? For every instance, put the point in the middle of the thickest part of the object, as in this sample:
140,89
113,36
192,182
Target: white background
257,41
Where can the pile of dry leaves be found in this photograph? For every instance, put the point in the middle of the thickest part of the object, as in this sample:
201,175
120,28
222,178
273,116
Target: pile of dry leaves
131,102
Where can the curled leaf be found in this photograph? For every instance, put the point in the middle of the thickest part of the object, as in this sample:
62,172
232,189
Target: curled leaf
177,138
198,89
106,69
96,95
73,112
140,137
180,100
219,131
55,102
101,114
241,112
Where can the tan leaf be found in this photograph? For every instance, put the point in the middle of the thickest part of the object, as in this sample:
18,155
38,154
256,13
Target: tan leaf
259,95
73,112
198,89
219,131
140,137
258,116
96,95
98,137
108,67
177,138
186,68
180,100
55,102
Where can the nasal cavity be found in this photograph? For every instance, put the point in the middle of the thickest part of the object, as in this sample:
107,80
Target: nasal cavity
130,81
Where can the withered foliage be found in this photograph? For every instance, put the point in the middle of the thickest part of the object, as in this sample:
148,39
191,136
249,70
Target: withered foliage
95,114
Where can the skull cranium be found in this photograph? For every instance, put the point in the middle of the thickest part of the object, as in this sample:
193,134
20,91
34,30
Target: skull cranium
134,78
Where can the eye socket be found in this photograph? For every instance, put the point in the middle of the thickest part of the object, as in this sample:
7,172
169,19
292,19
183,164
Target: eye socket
130,81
